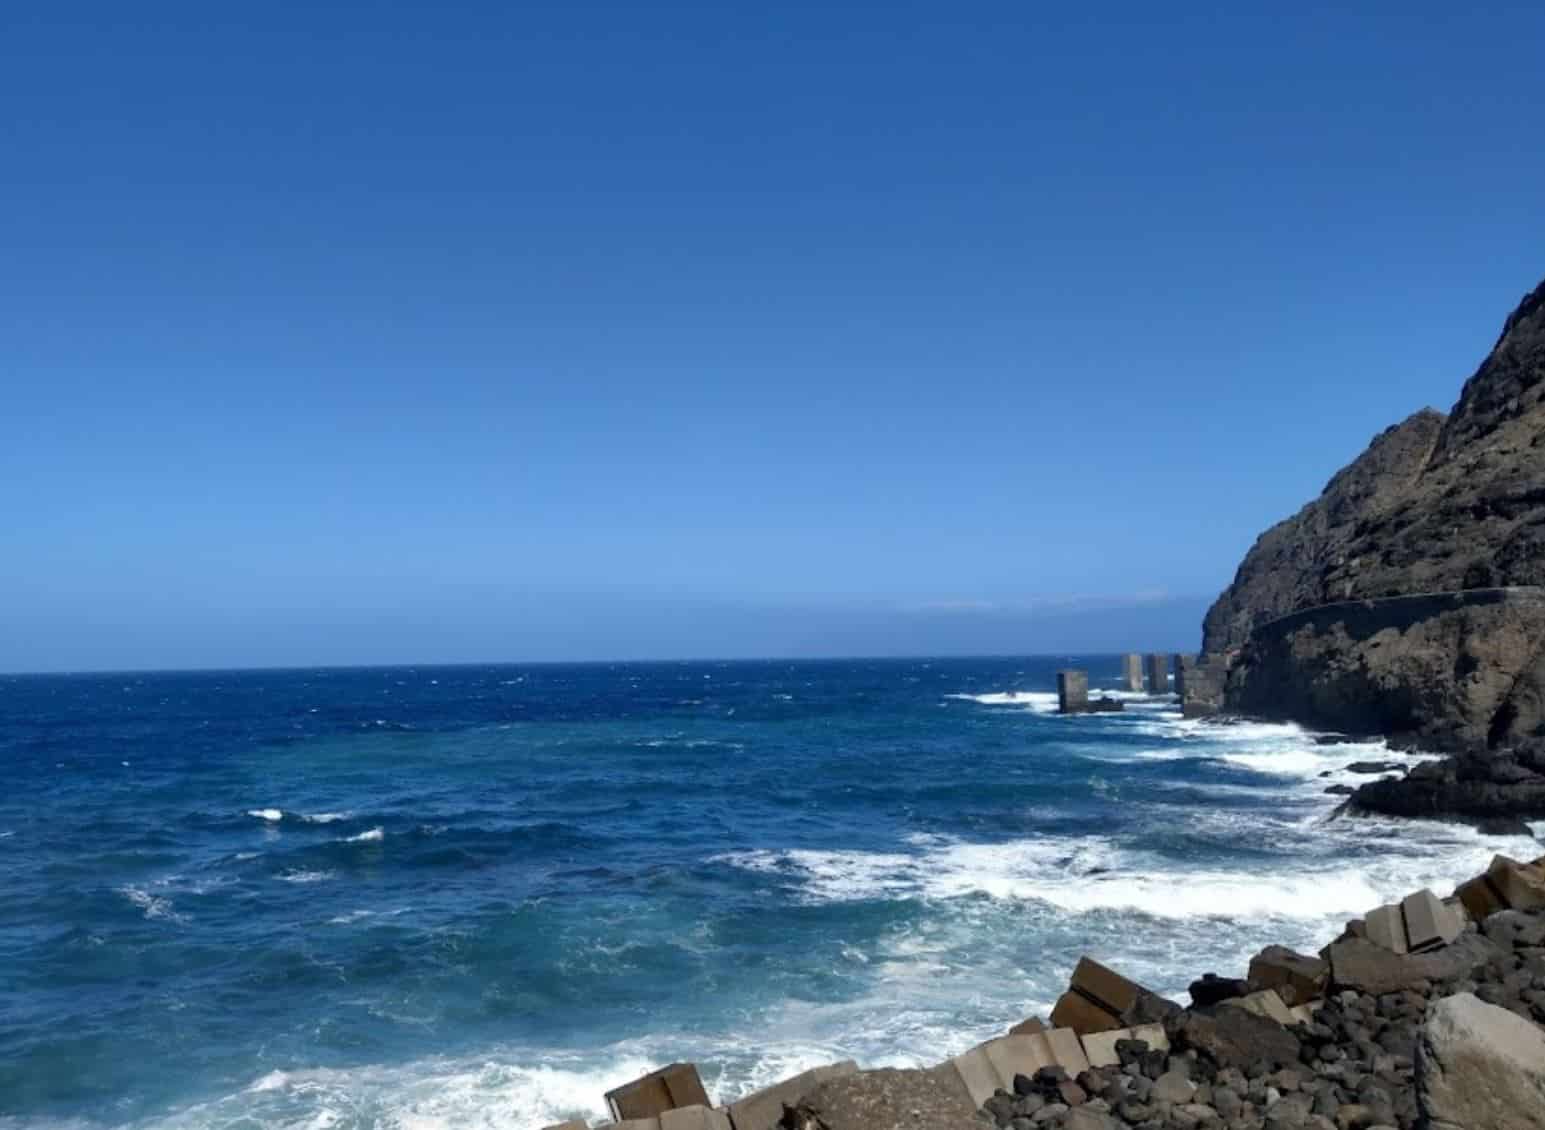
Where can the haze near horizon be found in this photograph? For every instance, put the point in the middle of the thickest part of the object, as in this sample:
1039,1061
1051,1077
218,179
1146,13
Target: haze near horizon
401,335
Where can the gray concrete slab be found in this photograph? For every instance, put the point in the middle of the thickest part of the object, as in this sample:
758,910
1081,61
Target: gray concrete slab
1132,671
1066,1049
979,1075
1429,923
1265,1003
1385,927
694,1118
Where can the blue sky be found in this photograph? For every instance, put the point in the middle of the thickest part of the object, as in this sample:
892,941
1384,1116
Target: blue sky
388,333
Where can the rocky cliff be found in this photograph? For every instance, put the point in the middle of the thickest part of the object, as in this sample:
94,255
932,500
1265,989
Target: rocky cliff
1406,599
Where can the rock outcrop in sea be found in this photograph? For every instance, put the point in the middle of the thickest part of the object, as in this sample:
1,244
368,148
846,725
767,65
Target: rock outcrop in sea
1408,600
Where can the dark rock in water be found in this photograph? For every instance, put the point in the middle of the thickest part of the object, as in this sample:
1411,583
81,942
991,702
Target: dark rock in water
1409,598
1340,790
1472,786
1211,989
1375,767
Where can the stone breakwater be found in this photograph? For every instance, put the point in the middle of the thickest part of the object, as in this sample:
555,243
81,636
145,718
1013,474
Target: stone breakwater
1422,1015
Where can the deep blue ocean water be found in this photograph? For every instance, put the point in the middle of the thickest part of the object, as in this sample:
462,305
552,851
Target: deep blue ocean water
480,896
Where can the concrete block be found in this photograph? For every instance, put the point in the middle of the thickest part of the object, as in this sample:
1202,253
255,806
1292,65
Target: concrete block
1158,674
1521,885
1152,1035
1082,1015
1100,1047
1104,986
694,1118
1066,1050
670,1087
1132,672
1429,923
1386,928
1183,665
1302,1013
1480,898
764,1109
1030,1027
979,1075
636,1124
1072,691
1018,1055
1297,977
1265,1003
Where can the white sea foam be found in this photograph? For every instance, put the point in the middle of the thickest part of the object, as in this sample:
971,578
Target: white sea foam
155,906
504,1090
302,876
374,835
324,817
1041,702
1092,874
272,815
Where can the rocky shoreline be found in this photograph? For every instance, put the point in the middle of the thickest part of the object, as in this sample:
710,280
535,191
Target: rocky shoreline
1428,1014
1408,600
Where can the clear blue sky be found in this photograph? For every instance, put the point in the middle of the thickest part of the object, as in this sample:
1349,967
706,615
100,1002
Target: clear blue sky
379,333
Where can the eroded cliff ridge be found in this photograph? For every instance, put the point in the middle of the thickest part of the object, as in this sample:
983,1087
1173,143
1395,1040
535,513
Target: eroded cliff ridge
1408,597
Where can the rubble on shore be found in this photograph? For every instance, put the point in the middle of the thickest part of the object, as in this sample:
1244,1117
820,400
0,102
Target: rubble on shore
1427,1014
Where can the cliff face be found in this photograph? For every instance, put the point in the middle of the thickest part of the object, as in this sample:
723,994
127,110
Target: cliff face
1435,505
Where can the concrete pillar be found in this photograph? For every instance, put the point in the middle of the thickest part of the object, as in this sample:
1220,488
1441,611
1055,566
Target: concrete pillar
1072,691
1184,664
1131,671
1158,674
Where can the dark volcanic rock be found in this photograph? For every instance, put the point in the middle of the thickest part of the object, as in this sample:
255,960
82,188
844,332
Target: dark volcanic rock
1211,989
1478,786
1344,616
1233,1037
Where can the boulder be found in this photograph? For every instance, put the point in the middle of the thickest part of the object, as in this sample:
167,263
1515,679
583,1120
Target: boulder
1234,1037
887,1099
1361,966
1298,978
1512,928
1173,1087
1211,989
1082,1118
1479,1067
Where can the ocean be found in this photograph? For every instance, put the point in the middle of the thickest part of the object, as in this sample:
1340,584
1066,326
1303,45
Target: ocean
481,896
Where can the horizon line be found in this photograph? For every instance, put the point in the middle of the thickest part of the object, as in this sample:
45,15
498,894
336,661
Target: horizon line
452,664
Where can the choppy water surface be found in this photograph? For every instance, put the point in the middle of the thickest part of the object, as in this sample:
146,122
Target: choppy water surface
480,896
